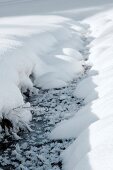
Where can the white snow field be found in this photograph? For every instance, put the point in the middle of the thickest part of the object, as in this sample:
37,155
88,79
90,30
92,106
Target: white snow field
45,44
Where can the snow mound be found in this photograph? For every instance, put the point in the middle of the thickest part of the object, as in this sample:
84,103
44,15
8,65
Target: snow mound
31,53
99,130
85,87
73,53
92,125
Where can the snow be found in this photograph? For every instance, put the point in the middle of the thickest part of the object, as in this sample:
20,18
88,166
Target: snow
99,131
35,150
100,158
73,53
92,124
45,48
33,46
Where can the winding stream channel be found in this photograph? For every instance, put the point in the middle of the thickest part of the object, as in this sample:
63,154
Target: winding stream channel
35,151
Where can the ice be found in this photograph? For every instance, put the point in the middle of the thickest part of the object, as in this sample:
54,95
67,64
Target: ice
46,49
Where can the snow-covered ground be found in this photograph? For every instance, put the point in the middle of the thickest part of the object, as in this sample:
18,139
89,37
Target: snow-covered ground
48,44
36,51
92,124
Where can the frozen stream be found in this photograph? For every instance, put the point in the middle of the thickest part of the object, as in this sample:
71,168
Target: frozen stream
35,151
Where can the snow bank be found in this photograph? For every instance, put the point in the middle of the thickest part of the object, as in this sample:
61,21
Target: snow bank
92,125
100,158
86,141
34,46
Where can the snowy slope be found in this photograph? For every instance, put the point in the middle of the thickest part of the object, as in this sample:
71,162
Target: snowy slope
69,8
92,125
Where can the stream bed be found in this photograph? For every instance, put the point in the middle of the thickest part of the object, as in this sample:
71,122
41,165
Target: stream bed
35,151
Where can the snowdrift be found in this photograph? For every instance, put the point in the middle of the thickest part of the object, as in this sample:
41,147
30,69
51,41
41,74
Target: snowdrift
92,125
36,51
45,52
